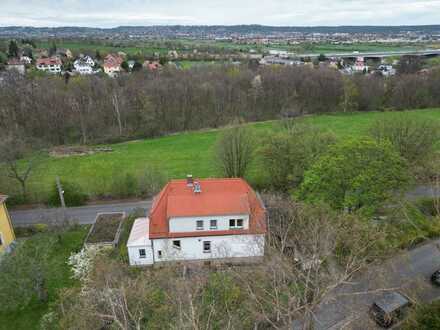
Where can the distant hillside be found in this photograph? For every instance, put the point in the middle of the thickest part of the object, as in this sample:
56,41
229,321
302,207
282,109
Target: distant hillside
215,30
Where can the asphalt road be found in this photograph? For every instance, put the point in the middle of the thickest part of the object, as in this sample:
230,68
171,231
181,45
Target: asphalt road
347,306
82,214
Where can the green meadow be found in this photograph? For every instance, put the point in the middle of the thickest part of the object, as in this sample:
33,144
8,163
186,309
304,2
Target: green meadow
177,155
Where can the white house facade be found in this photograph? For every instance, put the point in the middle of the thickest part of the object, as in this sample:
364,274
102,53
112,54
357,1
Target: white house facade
84,65
207,220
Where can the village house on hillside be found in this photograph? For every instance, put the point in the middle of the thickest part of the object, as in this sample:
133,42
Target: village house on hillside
51,64
112,64
6,230
151,65
17,65
84,65
207,219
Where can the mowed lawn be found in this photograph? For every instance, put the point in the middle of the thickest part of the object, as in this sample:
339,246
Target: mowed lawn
180,154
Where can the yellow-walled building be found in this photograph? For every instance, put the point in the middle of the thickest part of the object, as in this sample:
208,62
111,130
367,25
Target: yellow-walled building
7,235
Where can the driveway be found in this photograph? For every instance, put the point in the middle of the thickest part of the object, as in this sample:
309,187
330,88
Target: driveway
82,214
347,306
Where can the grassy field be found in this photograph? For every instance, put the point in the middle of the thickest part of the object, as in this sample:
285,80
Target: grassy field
176,155
147,48
58,277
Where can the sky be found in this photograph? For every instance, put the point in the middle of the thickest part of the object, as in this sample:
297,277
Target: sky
112,13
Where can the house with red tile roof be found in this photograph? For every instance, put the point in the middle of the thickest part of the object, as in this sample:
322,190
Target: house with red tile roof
207,219
49,64
112,64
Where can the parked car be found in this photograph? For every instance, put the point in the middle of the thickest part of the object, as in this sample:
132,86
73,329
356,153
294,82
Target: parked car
389,309
435,277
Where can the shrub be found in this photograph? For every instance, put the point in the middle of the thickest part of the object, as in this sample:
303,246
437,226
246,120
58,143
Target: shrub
40,227
151,181
124,185
73,195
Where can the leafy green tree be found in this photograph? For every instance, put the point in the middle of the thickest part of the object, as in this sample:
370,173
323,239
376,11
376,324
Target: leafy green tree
356,174
125,66
53,49
163,60
3,58
290,153
13,49
98,55
322,58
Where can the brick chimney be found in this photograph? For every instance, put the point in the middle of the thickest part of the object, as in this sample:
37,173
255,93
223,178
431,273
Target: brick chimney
189,180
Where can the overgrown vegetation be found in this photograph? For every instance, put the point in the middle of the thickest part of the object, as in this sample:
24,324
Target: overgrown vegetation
72,192
328,246
33,274
424,317
413,138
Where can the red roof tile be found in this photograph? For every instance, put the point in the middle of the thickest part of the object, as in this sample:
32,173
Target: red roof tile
14,61
49,61
218,197
111,61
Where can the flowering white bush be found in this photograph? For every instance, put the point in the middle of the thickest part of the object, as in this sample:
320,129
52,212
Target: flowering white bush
82,262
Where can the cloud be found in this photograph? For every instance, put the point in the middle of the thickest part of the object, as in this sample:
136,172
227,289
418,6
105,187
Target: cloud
110,13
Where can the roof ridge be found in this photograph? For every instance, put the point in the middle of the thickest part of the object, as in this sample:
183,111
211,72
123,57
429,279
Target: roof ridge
161,196
209,179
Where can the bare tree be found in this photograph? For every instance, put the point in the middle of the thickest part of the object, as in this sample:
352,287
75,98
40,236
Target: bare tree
19,160
235,148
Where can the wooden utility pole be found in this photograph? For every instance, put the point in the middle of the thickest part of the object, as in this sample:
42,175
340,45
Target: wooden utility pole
60,192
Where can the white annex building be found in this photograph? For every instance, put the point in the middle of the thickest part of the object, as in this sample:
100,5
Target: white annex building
201,220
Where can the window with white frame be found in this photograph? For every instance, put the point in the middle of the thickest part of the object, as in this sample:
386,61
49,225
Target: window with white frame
199,225
236,223
206,247
213,224
142,253
176,244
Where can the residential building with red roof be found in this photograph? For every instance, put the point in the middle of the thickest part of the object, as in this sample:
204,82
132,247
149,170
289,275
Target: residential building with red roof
112,64
49,64
207,219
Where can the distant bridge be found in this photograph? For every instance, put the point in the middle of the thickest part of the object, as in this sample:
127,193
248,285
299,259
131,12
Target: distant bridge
378,55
